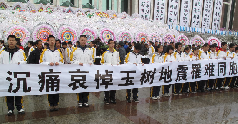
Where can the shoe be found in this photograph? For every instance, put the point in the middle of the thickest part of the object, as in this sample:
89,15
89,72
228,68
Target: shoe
56,108
194,92
128,100
80,105
113,101
222,87
51,108
107,102
21,111
154,98
180,94
136,100
166,94
86,104
158,97
10,112
227,88
175,94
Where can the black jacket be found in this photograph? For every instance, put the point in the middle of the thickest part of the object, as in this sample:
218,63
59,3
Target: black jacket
34,57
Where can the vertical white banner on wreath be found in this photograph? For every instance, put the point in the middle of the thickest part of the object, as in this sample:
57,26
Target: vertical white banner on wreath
207,14
159,10
185,13
217,14
173,12
196,14
144,9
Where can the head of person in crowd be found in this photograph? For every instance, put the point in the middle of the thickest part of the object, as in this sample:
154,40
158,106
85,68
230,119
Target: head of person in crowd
34,44
232,47
1,43
142,42
160,43
58,44
39,44
137,42
18,42
137,48
199,46
11,40
151,43
165,43
172,44
70,44
187,50
82,40
193,46
121,44
51,41
178,46
64,45
196,51
125,42
205,47
224,46
46,45
235,45
170,50
156,43
213,48
111,44
77,43
30,44
146,45
236,50
92,44
190,47
160,48
133,43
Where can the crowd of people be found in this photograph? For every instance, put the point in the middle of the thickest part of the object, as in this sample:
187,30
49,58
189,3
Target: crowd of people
54,53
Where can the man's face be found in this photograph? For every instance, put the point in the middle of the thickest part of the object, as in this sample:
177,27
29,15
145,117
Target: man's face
193,46
224,47
29,45
91,45
171,51
179,47
196,52
58,44
83,41
206,48
111,44
136,51
64,46
11,42
70,45
232,49
51,41
45,46
156,43
160,49
39,45
213,49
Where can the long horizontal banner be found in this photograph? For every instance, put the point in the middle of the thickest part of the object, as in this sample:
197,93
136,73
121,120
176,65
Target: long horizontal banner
20,80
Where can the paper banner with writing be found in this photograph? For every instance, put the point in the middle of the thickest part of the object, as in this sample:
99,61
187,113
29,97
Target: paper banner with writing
159,10
196,14
185,13
173,12
144,9
207,14
217,14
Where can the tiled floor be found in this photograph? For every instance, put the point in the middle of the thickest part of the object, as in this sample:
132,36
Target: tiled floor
201,108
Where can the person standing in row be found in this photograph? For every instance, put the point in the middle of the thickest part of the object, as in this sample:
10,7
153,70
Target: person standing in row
82,56
110,57
133,58
13,55
52,57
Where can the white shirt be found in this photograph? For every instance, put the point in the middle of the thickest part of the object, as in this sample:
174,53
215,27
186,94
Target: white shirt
170,58
18,56
48,56
179,56
213,55
221,54
157,58
80,56
132,58
204,55
151,51
110,58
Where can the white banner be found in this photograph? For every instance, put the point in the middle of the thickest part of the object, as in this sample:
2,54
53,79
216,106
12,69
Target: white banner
144,9
207,14
159,10
217,14
20,80
185,13
196,14
173,12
